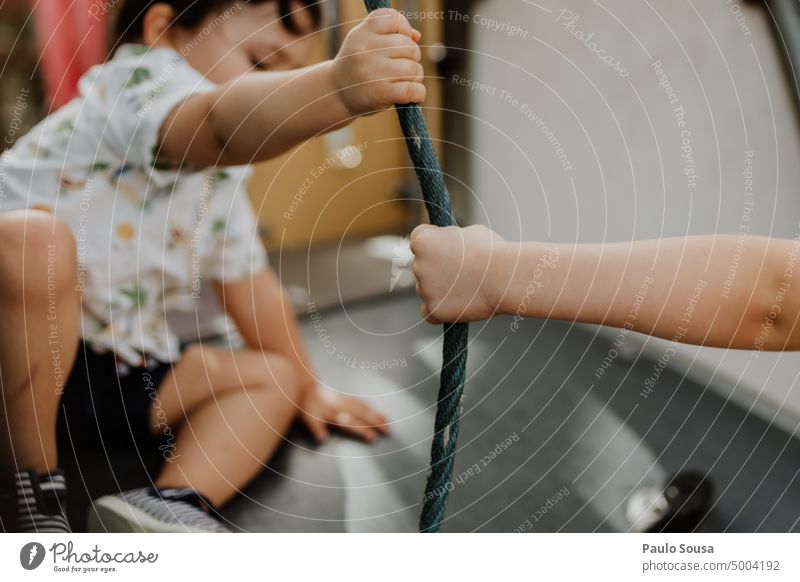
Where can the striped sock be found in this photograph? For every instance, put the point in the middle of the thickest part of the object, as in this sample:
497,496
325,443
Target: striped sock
36,503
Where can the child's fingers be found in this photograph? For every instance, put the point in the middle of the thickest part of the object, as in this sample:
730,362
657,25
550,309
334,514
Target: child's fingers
405,71
408,70
365,411
317,427
416,233
400,46
372,417
389,21
428,316
351,423
404,92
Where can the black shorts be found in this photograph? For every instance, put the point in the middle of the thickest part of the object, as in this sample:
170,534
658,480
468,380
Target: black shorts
107,403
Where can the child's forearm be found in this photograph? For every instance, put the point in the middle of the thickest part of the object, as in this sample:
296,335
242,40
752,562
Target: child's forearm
282,110
266,321
709,290
261,115
254,118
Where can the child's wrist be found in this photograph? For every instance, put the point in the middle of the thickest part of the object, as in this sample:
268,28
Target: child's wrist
335,91
501,274
521,274
308,383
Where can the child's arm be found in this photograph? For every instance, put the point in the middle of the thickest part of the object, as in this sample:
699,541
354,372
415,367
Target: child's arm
265,319
709,290
261,115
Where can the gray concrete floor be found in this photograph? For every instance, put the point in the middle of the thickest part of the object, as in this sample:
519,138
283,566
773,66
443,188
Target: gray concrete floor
533,388
599,441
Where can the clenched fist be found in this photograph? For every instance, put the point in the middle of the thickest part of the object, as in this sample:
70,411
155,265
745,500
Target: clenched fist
379,64
460,272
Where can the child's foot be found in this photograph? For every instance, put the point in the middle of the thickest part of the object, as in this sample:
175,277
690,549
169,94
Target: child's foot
155,510
34,504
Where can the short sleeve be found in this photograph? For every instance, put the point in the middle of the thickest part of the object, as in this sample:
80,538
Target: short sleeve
234,250
136,91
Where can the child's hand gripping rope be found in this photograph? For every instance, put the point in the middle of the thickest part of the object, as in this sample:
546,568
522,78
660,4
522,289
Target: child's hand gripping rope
437,201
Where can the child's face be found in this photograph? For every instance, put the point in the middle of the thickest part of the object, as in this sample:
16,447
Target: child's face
246,38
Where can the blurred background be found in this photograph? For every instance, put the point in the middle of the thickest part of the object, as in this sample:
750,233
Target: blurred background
580,121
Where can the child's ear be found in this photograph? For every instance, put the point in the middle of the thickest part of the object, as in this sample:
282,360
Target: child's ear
156,26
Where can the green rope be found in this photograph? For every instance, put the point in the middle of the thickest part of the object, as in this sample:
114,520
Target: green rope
448,413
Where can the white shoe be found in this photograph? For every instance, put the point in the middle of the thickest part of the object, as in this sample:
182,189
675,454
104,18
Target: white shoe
155,511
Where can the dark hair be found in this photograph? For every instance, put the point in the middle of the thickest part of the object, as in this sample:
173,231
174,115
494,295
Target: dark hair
129,21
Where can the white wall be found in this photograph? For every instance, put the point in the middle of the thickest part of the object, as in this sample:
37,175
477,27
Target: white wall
622,140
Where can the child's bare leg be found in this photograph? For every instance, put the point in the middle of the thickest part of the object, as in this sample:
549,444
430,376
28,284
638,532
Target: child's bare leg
39,333
231,410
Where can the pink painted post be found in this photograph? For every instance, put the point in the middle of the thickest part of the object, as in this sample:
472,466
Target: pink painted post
71,37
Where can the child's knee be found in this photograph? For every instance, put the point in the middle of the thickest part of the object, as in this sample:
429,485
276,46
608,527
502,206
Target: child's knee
37,251
283,376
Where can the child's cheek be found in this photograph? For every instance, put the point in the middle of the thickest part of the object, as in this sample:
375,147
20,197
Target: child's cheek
220,66
230,68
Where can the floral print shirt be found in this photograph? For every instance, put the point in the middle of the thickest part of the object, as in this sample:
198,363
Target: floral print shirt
147,234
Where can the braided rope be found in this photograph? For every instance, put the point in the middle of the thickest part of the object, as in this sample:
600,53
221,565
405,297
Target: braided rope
448,413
